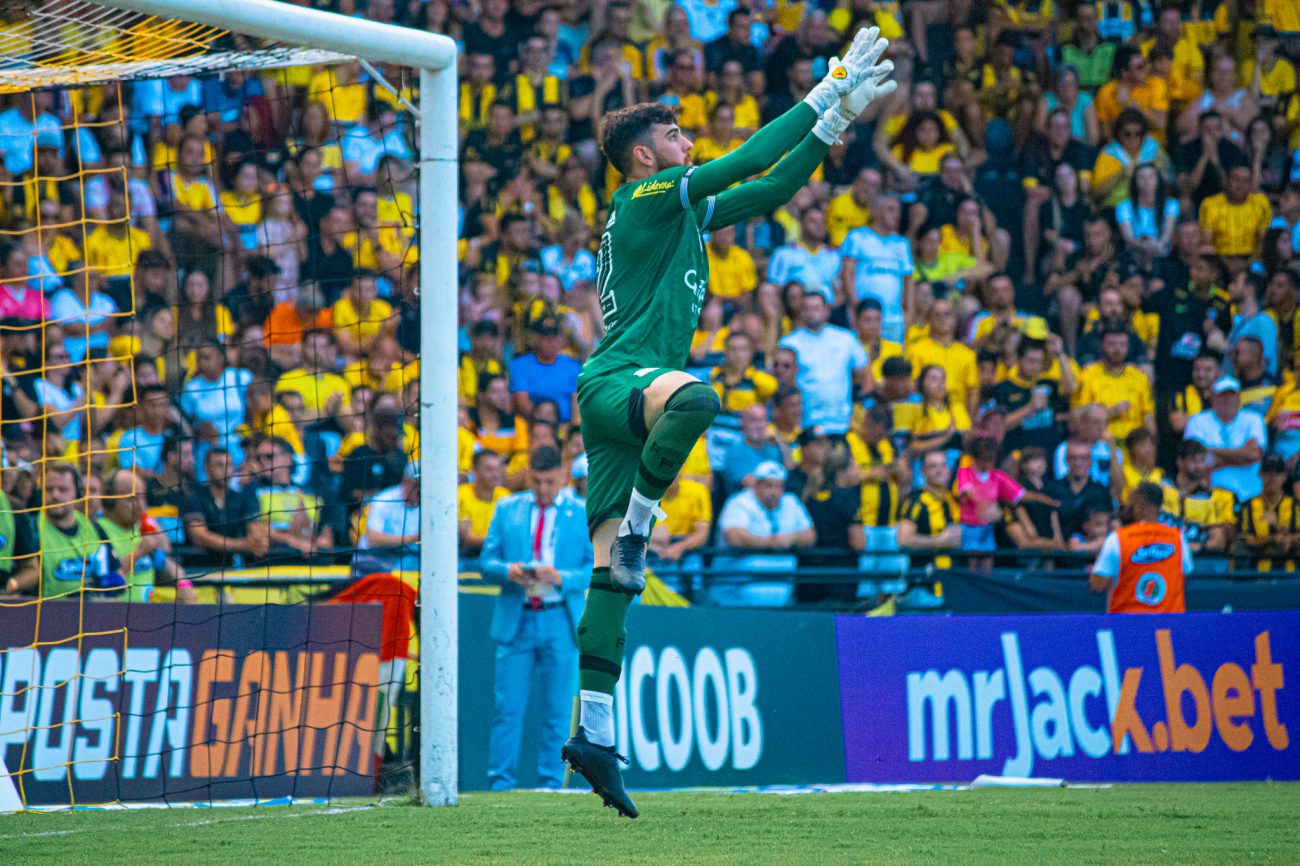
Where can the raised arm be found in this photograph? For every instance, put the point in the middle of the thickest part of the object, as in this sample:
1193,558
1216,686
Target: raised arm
861,73
767,193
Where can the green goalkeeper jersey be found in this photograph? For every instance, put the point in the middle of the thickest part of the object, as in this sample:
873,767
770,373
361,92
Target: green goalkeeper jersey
652,272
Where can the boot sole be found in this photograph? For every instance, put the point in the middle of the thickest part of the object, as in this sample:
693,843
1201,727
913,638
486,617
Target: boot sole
608,799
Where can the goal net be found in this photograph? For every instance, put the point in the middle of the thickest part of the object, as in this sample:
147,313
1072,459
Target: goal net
209,350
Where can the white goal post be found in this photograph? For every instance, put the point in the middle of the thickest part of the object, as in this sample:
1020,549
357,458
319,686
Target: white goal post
435,58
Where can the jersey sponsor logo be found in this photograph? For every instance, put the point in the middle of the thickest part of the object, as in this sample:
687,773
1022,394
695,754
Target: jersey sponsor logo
652,187
1151,589
72,569
1150,553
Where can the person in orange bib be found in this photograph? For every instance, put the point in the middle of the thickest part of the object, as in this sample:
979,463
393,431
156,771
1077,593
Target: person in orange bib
1144,564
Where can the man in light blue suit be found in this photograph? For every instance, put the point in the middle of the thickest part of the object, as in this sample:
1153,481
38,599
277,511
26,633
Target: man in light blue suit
538,550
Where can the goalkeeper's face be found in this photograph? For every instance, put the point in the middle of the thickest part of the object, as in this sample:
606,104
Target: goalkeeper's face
669,147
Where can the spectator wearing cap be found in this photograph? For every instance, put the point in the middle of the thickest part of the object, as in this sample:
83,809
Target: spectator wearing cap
763,517
877,262
832,365
544,373
810,260
1236,439
1269,524
538,551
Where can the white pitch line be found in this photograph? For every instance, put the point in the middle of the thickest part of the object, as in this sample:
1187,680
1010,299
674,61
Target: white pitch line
204,823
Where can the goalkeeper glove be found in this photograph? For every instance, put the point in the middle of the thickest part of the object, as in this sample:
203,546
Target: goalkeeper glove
860,63
839,116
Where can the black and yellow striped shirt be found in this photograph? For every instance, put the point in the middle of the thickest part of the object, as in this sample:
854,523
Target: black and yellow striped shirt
1254,520
880,499
931,514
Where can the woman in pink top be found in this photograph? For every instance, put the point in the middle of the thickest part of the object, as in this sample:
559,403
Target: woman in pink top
18,300
982,490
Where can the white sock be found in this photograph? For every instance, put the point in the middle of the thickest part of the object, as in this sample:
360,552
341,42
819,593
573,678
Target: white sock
597,717
639,512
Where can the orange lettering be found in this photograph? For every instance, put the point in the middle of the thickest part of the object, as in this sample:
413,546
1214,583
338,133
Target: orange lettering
324,713
1267,677
1233,699
279,716
207,753
361,718
1177,680
1127,722
256,672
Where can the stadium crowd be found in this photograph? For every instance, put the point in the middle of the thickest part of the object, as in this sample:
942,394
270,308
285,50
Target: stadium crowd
1060,261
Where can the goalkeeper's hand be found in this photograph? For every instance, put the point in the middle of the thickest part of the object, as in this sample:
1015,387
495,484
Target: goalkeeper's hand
841,114
861,63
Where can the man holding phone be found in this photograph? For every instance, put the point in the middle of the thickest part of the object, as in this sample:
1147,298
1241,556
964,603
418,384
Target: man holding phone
538,550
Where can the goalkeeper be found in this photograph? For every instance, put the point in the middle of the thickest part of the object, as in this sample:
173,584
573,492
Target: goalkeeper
641,414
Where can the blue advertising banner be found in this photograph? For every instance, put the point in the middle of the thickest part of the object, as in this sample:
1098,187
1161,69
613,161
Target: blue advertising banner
1196,697
707,697
115,701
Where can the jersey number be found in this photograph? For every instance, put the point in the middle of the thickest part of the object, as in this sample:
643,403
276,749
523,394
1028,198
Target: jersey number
604,266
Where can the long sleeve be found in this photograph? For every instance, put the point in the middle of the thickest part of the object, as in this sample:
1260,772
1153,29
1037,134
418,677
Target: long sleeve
767,193
756,155
492,564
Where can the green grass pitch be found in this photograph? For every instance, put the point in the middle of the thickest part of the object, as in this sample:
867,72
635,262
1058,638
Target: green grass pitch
1223,823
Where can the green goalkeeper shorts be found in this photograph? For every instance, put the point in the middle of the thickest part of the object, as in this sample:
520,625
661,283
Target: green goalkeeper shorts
613,432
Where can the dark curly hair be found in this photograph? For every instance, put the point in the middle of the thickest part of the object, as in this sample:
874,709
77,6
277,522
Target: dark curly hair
623,129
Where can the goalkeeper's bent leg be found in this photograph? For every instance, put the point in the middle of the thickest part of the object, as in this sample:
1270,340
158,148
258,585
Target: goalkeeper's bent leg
688,412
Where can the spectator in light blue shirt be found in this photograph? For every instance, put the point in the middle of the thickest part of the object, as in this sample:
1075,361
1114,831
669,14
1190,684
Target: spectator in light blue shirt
18,135
810,261
757,444
831,361
141,447
877,263
570,260
364,146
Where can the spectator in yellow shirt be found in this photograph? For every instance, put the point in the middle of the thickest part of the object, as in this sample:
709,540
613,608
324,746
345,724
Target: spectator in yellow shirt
942,349
869,318
1269,78
1236,219
721,138
922,144
939,422
477,499
1187,69
1118,386
690,518
1140,461
851,209
731,88
360,316
731,269
113,247
738,384
1133,87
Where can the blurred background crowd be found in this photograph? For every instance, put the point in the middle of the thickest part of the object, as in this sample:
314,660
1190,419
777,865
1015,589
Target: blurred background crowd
1058,262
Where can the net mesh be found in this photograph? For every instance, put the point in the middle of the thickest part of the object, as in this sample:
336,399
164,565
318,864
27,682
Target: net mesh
210,352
